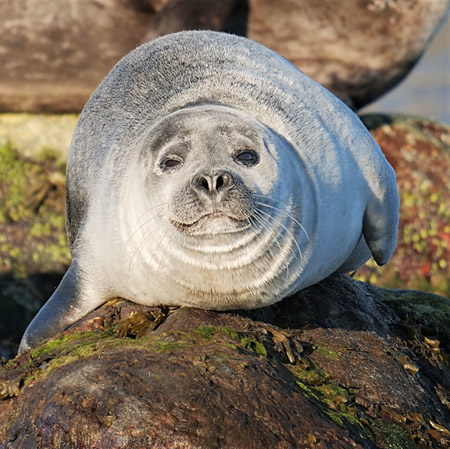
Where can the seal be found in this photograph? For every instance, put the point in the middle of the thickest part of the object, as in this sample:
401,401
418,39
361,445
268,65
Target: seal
208,171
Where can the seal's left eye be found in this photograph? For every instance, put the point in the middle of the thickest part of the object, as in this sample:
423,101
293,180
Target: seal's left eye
246,157
170,163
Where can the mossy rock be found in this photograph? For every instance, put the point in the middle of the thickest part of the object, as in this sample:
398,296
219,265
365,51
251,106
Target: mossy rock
349,376
33,249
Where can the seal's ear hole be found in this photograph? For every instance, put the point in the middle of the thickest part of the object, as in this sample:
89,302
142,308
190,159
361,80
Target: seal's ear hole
246,157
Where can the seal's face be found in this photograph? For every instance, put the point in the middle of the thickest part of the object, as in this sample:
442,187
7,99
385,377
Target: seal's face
209,165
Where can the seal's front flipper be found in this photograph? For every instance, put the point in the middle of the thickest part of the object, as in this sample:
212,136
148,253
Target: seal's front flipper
64,308
380,222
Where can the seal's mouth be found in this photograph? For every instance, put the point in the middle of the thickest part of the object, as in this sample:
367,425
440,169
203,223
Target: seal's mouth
237,224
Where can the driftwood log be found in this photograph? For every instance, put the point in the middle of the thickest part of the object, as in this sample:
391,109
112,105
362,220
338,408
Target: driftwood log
342,364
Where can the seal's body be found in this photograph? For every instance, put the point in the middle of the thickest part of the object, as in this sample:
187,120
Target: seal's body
208,171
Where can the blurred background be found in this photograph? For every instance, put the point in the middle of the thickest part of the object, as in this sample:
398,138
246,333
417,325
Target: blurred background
425,92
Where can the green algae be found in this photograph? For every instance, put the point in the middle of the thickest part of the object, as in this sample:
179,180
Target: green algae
71,342
249,343
326,351
310,374
331,399
394,436
253,345
206,332
32,218
14,184
62,351
230,333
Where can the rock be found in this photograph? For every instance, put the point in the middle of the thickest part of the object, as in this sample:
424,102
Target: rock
222,15
358,55
357,49
360,375
419,151
37,75
53,55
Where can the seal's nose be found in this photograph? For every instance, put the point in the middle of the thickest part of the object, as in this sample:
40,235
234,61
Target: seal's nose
212,183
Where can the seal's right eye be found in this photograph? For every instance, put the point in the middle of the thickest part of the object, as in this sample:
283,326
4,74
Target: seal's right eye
170,163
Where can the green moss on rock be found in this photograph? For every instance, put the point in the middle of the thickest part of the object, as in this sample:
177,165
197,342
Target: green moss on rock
393,435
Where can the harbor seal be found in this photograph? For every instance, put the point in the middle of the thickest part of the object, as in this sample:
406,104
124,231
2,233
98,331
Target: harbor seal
208,171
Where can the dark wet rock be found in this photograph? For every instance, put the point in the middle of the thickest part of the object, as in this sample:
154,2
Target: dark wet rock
222,15
357,49
419,150
363,376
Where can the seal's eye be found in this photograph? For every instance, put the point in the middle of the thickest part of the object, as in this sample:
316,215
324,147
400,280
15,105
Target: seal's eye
246,157
170,163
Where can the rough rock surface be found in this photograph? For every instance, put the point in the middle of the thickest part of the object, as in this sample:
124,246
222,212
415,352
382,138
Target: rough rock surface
341,365
54,54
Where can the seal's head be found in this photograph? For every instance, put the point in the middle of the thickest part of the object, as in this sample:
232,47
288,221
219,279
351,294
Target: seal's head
211,213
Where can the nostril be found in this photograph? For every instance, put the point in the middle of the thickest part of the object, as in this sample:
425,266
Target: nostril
204,183
220,181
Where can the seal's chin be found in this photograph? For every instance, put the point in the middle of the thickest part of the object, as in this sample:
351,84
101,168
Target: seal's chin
213,223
